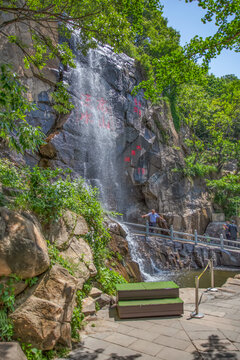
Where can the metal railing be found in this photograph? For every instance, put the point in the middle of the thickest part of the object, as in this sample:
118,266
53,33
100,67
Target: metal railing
174,235
196,313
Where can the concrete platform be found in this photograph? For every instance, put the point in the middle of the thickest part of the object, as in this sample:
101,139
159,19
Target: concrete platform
215,336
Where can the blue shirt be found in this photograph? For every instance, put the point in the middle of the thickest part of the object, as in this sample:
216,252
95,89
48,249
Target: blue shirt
153,217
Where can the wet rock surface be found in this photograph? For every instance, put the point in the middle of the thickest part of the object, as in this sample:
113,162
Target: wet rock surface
121,256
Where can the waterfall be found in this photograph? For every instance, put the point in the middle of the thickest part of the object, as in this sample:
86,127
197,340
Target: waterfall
149,270
102,139
94,122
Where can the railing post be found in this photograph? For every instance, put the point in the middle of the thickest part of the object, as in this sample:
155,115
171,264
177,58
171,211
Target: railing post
196,314
196,293
212,273
147,227
171,232
221,241
195,237
212,276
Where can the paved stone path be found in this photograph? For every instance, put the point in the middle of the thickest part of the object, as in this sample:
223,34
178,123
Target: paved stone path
216,336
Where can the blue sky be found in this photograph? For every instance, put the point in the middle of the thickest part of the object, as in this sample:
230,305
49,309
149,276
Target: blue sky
186,18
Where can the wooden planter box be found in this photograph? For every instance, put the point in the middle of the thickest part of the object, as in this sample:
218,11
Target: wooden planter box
149,308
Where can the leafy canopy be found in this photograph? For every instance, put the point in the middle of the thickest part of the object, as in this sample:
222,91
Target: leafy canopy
226,15
212,116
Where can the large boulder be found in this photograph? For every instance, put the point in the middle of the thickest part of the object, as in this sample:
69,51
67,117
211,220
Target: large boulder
44,315
69,225
80,256
67,234
23,249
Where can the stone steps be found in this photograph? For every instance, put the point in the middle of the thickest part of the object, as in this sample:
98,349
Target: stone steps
148,299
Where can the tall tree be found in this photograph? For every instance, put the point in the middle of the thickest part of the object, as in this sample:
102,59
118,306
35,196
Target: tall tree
109,21
226,15
212,116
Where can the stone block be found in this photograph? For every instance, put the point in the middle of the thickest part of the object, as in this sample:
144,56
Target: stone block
11,351
88,306
95,292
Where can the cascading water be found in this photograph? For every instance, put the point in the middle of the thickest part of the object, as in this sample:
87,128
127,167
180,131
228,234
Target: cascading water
149,270
96,126
102,131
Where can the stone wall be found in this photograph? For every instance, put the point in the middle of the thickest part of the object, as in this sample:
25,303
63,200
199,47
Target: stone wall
163,254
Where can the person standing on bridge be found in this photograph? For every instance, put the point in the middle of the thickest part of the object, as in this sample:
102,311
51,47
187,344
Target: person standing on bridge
153,216
233,231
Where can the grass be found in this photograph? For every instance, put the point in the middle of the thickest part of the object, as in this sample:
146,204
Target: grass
147,286
150,302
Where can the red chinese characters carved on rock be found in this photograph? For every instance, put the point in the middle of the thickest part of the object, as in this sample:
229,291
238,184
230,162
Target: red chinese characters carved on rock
104,116
102,107
87,117
137,107
141,171
85,102
85,99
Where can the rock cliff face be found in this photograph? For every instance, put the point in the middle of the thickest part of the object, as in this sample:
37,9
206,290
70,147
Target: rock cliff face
121,144
117,141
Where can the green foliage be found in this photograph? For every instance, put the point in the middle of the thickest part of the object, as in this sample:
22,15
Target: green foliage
31,281
77,322
32,353
10,175
62,99
36,354
87,287
158,50
199,169
97,306
227,193
6,327
48,194
7,300
56,258
226,15
107,21
7,295
108,279
14,129
211,113
118,256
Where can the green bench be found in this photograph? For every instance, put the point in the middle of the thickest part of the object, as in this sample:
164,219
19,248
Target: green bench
148,299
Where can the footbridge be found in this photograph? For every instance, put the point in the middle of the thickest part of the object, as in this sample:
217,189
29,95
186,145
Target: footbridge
173,235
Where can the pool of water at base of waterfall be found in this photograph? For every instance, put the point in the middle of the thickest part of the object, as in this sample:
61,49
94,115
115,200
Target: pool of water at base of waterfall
186,278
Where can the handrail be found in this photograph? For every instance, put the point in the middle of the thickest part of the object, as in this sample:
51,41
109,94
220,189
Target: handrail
196,313
199,276
187,237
